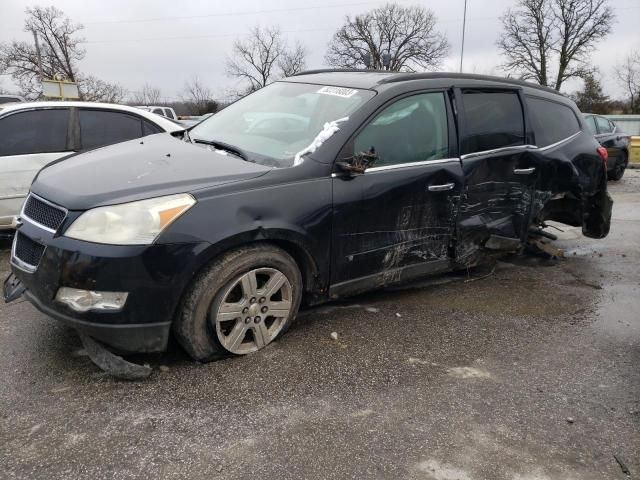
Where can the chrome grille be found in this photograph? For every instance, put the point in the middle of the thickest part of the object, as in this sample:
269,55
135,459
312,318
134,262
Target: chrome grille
27,251
43,213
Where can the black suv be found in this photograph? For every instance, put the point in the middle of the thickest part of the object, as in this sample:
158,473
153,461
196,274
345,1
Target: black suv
313,188
616,142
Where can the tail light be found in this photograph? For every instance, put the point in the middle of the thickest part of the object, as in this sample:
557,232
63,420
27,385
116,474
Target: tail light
604,155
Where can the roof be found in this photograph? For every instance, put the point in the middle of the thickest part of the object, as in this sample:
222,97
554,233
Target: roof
374,78
164,123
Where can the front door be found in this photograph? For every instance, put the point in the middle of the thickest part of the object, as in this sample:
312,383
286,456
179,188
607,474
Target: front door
396,220
500,170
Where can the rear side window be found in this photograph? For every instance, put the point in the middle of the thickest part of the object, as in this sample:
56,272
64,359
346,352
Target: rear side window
413,129
604,126
551,121
493,120
591,124
37,131
149,128
99,128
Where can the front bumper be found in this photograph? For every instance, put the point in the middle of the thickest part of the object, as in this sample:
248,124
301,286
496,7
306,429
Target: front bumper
155,277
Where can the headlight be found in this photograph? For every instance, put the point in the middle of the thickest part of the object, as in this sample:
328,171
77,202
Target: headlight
135,223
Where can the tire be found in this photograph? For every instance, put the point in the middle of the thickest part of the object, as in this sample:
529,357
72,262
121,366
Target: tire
618,172
204,326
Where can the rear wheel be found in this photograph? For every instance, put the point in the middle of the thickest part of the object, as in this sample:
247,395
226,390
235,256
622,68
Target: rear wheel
240,303
621,166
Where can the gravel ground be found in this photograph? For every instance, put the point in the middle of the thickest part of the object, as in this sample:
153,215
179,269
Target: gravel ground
528,374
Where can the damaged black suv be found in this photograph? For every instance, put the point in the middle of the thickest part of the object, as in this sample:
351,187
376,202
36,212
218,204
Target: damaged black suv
316,187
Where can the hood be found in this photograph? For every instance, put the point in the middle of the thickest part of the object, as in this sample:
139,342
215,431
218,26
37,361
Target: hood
147,167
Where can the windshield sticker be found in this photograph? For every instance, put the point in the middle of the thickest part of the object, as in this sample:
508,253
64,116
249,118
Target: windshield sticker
338,91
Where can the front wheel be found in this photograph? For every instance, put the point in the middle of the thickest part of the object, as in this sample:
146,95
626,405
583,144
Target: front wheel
240,303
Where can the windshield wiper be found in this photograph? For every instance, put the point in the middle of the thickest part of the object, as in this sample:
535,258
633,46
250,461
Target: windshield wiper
238,152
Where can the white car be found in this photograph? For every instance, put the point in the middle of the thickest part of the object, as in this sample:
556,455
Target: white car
164,111
34,134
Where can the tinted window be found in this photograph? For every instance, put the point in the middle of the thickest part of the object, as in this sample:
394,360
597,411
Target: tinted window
551,121
158,111
37,131
413,129
493,120
9,100
99,128
591,124
169,113
149,128
603,125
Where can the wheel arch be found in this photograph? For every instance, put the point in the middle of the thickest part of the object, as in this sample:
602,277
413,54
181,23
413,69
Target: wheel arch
314,276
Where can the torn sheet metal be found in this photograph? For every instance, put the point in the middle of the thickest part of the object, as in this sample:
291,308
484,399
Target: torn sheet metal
111,363
327,132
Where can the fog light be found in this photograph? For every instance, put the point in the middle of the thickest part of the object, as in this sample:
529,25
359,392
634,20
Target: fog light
85,300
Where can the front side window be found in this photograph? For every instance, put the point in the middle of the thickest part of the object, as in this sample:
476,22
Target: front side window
413,129
36,131
275,123
493,120
604,126
99,128
551,121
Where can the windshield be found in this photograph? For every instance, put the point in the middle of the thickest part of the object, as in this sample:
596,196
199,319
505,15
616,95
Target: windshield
275,123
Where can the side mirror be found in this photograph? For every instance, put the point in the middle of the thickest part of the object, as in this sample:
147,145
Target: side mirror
358,163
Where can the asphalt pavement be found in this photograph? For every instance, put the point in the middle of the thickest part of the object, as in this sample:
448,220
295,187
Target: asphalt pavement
525,372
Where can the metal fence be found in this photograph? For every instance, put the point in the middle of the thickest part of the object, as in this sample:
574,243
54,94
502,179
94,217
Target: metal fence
627,123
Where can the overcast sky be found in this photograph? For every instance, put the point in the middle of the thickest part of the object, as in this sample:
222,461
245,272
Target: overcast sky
166,42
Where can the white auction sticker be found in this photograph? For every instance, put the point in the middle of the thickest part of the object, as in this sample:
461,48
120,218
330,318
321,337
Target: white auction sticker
338,91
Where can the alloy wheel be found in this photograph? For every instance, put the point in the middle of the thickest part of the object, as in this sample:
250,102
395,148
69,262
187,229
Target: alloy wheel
253,310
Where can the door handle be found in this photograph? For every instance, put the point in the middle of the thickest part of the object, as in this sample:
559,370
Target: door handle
524,171
441,188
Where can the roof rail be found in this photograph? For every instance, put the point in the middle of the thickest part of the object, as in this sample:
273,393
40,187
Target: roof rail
402,77
340,70
393,77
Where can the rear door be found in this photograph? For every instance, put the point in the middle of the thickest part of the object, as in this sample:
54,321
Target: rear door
396,220
104,127
499,169
29,140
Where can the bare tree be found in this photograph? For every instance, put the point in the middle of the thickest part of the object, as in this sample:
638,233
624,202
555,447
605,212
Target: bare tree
391,37
149,95
628,76
93,89
551,39
264,57
199,98
293,60
60,50
527,40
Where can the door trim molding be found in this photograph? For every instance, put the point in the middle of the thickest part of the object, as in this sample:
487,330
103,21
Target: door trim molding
513,148
411,164
560,142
